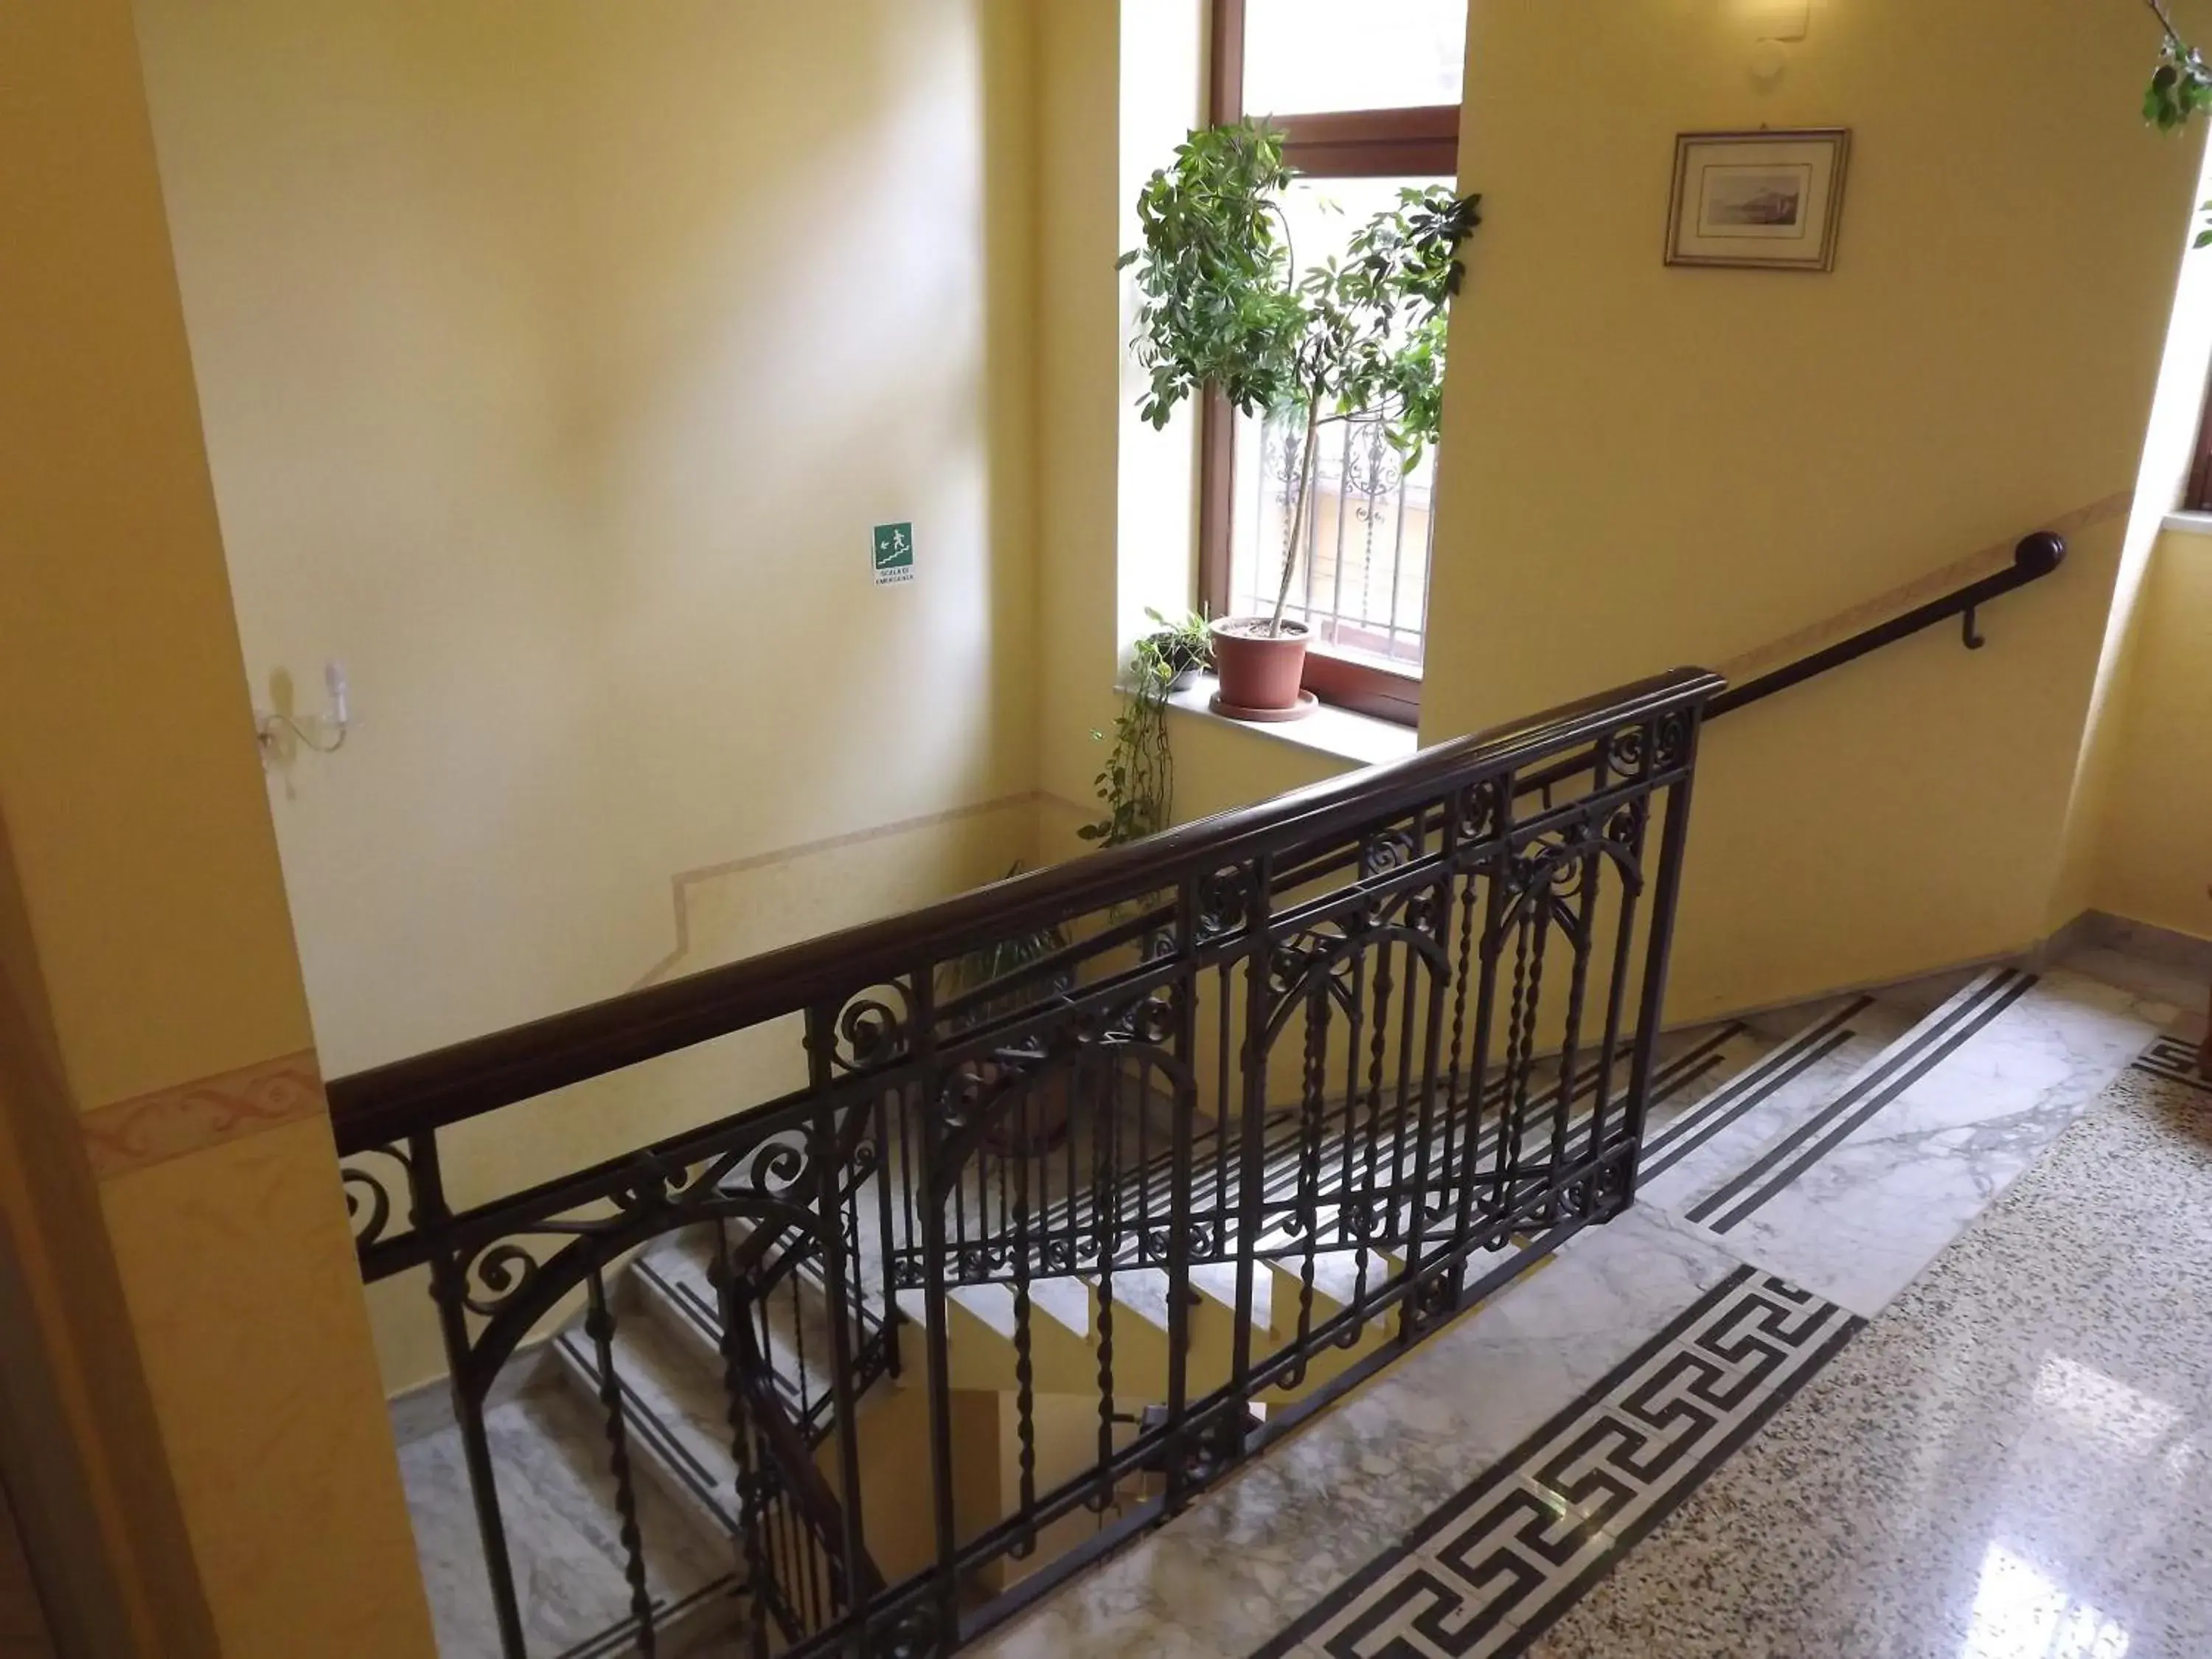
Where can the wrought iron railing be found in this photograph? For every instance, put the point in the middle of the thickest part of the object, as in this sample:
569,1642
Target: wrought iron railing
1256,1103
1291,1086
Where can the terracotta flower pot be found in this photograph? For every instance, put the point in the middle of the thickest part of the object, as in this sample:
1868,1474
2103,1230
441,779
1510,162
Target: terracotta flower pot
1259,670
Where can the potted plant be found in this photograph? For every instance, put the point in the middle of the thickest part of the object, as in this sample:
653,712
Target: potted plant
1224,306
1179,649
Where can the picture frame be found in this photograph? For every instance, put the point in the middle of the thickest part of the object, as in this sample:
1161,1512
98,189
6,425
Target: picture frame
1767,200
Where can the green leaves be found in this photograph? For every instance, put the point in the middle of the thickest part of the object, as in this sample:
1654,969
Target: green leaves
1136,785
1220,304
2180,87
1399,274
1216,307
1182,642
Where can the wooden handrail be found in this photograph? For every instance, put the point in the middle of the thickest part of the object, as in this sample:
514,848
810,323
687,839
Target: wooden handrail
387,1103
1958,589
2035,557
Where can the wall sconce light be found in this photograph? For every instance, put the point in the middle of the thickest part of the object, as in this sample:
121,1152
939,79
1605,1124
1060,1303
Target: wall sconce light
324,733
1777,20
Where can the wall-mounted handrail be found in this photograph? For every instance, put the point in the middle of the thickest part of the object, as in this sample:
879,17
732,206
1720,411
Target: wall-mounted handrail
2034,558
483,1073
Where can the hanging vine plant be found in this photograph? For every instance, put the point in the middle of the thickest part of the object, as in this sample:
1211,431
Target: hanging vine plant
1137,785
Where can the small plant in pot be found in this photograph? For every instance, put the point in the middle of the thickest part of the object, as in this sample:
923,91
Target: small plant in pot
1178,649
1224,306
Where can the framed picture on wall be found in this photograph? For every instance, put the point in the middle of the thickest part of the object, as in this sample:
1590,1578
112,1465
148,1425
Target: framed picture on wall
1761,201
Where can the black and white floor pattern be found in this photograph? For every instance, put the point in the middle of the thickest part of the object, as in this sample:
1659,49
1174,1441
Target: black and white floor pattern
2173,1059
1490,1569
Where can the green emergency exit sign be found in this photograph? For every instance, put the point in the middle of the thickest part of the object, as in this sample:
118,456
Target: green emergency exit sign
893,553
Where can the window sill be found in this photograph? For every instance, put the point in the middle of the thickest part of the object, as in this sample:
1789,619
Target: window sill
1360,739
2190,524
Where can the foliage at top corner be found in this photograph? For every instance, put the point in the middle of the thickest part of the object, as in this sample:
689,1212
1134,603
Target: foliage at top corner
2180,88
1224,305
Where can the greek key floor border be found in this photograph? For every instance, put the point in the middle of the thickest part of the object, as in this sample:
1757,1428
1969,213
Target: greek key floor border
2176,1061
1491,1570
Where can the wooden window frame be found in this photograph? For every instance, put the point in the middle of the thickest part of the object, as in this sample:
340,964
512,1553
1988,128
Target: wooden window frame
2197,488
1340,144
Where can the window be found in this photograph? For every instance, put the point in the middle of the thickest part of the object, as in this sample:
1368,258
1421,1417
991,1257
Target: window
2196,488
1366,107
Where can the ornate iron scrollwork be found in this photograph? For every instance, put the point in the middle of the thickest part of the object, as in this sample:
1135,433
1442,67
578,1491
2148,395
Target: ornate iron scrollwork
1342,1052
505,1270
1225,903
873,1029
1385,850
370,1207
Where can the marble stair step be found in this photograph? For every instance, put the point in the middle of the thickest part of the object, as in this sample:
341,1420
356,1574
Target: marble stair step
563,1528
1339,1276
1687,1067
1139,1328
1732,1125
675,1412
981,1330
1685,1062
673,1279
1858,1194
1218,1279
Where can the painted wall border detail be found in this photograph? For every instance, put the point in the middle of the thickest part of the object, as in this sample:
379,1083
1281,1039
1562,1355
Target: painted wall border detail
176,1122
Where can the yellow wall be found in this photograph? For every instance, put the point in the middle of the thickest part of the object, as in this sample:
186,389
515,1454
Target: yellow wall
1079,366
1644,466
192,1318
2154,861
555,363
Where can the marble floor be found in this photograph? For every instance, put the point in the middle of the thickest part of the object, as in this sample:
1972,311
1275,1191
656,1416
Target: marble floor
2014,1462
1751,1417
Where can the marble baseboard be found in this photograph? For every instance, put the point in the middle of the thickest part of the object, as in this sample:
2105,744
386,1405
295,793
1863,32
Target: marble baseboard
2155,962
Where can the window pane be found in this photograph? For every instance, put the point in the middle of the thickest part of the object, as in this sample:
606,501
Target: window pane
1305,56
1362,579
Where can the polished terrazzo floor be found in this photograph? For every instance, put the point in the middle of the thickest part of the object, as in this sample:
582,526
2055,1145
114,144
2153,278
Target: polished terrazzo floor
2012,1462
1787,1433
